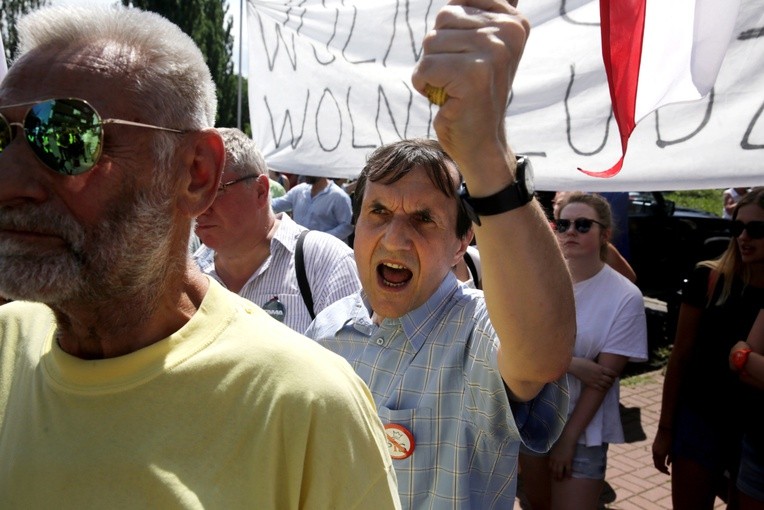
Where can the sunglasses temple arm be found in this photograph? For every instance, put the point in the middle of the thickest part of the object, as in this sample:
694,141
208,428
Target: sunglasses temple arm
139,124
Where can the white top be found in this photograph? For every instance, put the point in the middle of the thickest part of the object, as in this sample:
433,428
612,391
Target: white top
610,318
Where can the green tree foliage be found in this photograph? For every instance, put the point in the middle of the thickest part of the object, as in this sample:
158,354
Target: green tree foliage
205,21
10,12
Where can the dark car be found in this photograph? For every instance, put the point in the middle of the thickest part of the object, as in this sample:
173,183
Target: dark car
665,243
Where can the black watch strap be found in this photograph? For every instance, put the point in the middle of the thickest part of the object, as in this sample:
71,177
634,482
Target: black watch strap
517,194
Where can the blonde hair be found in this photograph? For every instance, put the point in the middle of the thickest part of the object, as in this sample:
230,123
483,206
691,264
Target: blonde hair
730,263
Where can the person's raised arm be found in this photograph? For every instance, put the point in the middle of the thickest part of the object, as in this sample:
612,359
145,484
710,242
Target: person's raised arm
473,53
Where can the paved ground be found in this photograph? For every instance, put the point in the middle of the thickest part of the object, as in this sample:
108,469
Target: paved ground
632,481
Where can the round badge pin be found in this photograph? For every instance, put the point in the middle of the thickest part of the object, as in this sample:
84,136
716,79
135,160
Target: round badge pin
275,309
400,441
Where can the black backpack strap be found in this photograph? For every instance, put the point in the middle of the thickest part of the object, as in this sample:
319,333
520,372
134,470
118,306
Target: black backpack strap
302,277
473,270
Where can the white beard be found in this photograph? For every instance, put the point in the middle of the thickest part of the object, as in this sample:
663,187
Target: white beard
127,254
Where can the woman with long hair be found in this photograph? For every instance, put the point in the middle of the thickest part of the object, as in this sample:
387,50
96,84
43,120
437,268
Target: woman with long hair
699,431
611,331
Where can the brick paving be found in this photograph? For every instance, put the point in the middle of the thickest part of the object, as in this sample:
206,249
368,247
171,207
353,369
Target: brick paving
632,481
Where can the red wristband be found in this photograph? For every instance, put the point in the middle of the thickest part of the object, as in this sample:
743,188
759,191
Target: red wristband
739,359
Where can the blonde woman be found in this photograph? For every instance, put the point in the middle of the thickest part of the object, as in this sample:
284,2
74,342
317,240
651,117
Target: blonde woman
699,432
611,331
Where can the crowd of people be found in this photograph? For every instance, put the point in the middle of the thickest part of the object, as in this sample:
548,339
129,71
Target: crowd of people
187,329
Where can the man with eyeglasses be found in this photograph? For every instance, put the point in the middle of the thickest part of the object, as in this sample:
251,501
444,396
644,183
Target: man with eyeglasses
128,379
254,252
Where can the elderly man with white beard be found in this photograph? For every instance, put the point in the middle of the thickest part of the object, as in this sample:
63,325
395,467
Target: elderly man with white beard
128,378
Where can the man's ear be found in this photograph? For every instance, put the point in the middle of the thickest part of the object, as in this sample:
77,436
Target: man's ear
203,162
263,184
464,242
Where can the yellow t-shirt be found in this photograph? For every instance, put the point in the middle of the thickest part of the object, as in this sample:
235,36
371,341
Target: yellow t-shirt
234,410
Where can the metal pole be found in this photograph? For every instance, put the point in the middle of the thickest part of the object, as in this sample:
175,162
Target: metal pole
241,31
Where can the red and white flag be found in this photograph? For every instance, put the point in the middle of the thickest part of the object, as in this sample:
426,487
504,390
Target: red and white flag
658,52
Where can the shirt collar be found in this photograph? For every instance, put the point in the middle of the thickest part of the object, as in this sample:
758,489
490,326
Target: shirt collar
326,189
287,232
416,324
419,323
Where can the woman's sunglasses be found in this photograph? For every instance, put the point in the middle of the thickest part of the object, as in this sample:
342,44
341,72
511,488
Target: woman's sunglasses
582,225
755,229
66,135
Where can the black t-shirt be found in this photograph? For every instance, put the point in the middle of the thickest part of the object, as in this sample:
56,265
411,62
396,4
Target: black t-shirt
709,385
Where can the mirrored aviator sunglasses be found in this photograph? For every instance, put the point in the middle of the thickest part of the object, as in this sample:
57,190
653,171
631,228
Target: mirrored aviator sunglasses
66,135
755,229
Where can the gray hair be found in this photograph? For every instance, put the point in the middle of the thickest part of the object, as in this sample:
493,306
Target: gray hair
167,71
241,153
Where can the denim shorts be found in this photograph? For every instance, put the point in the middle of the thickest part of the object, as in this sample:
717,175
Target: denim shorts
750,478
588,461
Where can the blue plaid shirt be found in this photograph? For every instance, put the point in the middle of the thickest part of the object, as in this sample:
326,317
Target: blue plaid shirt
435,372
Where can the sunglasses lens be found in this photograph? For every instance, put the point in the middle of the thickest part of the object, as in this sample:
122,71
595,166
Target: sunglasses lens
755,229
737,228
583,225
562,226
65,134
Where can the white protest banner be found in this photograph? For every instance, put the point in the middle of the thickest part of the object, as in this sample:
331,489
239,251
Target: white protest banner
642,75
329,80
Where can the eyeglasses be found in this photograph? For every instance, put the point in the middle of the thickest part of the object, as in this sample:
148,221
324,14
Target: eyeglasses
66,135
582,225
224,186
755,229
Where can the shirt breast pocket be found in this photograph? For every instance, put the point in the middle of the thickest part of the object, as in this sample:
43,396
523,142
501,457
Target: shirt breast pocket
421,458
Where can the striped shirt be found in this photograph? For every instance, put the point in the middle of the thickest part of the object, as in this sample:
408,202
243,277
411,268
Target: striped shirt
329,265
434,371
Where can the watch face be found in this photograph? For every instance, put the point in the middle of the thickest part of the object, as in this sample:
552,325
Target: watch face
530,184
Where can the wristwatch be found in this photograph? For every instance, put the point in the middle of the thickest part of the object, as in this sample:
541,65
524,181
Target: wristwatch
513,196
740,358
